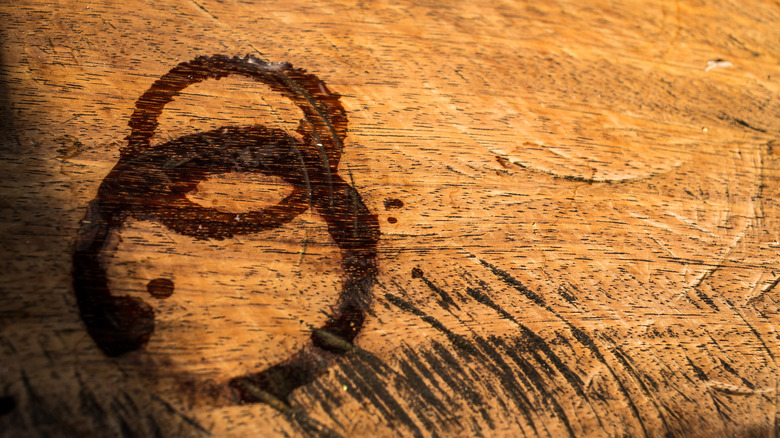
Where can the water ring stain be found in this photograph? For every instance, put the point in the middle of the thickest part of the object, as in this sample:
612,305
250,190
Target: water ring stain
151,183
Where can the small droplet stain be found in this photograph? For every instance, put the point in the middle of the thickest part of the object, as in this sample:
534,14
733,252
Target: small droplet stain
160,288
417,273
392,220
393,203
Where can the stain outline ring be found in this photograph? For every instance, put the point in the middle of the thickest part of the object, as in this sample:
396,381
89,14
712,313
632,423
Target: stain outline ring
120,324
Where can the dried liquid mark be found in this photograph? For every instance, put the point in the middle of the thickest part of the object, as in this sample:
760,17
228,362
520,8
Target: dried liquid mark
152,183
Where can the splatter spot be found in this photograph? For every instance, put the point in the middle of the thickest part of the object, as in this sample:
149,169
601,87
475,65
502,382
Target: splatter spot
160,288
393,203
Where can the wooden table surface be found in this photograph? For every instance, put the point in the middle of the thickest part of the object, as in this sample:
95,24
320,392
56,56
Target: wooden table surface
509,218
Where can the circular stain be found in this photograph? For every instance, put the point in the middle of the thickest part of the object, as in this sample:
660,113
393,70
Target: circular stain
392,220
160,288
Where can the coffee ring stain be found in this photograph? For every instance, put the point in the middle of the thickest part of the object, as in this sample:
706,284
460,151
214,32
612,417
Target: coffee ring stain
151,183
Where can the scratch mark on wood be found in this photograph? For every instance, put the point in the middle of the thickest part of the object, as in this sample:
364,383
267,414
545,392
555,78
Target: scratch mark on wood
445,300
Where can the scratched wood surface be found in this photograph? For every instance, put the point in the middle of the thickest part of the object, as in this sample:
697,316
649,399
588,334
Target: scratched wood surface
577,204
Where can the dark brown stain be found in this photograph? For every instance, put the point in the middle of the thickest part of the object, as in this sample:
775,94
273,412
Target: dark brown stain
392,220
151,183
393,203
160,288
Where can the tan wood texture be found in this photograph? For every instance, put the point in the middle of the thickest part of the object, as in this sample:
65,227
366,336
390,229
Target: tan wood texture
577,205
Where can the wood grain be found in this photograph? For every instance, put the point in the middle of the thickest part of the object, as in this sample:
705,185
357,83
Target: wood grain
577,201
